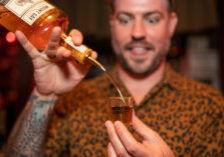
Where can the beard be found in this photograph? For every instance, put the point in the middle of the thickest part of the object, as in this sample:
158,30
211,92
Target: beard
150,68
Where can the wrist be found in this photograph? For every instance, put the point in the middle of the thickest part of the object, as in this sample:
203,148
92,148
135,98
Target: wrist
44,97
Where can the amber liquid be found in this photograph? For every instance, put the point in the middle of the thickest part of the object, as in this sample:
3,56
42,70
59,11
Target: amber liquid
116,86
99,65
121,113
39,32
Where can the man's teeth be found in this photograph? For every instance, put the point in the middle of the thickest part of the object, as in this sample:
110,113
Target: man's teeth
139,49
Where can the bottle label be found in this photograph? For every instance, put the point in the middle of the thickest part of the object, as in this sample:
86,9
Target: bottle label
81,48
28,10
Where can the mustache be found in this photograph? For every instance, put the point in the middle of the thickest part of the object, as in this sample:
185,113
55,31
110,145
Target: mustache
139,43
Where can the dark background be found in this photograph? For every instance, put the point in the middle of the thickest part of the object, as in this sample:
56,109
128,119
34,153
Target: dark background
197,50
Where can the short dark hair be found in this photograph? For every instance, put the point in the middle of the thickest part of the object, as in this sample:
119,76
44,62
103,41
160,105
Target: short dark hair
170,5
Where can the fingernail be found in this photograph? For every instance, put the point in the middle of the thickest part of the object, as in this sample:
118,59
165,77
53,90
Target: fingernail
67,53
118,123
17,32
108,123
57,28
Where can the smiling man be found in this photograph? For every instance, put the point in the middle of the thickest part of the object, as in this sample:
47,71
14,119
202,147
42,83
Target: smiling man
174,116
141,34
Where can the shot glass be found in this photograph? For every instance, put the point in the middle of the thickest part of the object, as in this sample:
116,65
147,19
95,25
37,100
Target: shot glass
121,109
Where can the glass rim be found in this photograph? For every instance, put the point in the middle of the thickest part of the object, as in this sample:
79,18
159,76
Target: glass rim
127,101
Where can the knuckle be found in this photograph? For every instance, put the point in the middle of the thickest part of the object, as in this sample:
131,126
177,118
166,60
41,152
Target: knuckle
26,45
54,39
75,32
121,154
61,49
131,149
53,45
51,53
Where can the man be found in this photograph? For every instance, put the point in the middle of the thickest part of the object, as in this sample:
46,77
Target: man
178,116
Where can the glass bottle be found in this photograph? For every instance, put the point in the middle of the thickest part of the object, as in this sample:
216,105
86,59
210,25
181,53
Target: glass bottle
36,19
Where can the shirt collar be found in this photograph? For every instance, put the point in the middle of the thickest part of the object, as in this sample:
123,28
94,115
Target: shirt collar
171,79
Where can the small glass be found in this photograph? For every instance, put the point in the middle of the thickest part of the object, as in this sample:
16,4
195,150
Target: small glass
121,109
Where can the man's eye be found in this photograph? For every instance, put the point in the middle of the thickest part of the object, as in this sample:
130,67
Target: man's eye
124,21
153,20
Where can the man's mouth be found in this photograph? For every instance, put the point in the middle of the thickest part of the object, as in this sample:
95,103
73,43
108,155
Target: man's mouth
139,52
139,49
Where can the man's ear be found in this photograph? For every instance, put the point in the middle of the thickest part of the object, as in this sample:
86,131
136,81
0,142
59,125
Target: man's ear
173,23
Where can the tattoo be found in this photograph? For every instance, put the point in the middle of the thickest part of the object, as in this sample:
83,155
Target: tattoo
27,137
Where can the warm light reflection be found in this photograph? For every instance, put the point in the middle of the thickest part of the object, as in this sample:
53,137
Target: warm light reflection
10,37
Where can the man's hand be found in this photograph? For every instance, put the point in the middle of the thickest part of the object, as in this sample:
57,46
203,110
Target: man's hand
55,71
123,144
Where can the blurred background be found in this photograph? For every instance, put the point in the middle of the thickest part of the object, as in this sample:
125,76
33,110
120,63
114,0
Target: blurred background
197,50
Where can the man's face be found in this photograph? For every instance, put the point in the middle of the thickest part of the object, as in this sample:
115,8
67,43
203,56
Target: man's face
141,32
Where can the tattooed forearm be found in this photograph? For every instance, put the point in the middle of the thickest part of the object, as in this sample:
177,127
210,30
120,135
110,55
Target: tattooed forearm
27,136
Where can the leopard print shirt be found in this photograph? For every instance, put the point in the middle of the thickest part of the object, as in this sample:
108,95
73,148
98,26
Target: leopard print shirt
188,115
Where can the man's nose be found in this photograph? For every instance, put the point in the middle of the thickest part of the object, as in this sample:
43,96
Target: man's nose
138,30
